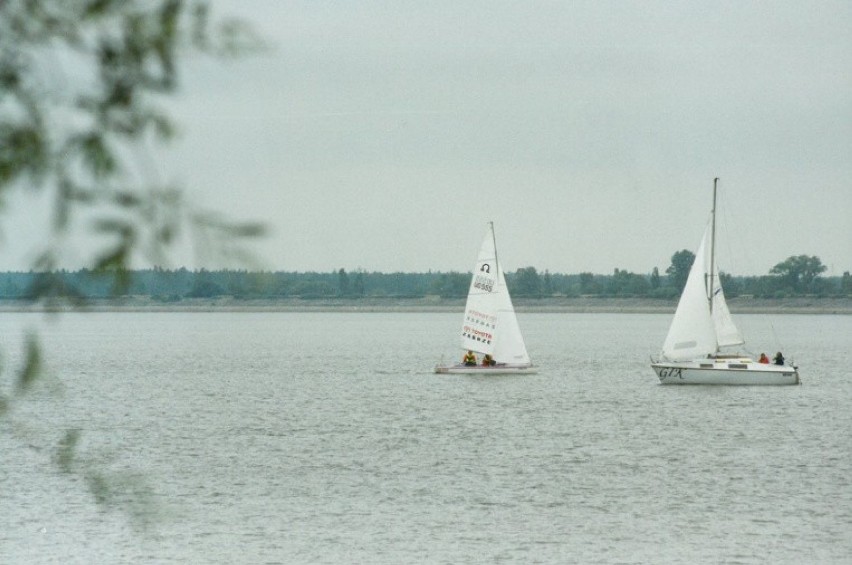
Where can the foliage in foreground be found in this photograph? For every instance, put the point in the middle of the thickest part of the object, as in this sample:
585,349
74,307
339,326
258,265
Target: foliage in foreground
82,84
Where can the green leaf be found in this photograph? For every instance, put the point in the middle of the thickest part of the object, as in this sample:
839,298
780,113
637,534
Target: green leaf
32,368
10,76
99,487
113,260
247,230
127,199
23,150
97,7
97,156
65,451
113,226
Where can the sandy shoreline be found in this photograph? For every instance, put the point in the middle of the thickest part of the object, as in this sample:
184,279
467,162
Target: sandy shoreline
799,305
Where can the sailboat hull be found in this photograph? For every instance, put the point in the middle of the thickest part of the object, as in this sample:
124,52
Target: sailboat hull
499,369
725,372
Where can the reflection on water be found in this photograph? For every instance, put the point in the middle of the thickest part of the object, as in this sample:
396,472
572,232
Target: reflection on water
326,438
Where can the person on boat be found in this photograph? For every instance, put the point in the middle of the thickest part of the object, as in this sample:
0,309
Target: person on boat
488,361
469,359
779,359
763,359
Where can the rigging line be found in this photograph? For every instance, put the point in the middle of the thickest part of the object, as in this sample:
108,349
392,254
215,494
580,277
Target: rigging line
494,243
727,235
775,337
733,235
713,248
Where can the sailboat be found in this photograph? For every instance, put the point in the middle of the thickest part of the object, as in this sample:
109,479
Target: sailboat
490,326
702,326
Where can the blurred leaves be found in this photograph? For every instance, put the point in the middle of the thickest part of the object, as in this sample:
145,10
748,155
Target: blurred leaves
65,451
111,489
63,131
72,132
80,87
128,491
216,236
32,365
23,151
94,153
232,37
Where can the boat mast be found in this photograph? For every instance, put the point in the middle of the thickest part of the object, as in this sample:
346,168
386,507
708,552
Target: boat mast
494,241
712,245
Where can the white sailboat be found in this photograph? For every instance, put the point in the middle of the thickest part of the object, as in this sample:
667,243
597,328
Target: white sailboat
702,326
490,326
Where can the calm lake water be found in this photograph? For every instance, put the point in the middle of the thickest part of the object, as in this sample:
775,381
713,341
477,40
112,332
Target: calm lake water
325,438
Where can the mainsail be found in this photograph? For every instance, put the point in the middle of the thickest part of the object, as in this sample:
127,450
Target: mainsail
480,313
490,325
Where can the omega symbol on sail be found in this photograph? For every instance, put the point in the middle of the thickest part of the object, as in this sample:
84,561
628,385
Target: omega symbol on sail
484,281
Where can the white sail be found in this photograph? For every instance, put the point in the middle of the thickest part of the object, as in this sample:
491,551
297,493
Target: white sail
510,347
693,332
490,325
480,312
727,333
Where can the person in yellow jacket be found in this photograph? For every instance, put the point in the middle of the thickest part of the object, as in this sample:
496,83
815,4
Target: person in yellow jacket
469,359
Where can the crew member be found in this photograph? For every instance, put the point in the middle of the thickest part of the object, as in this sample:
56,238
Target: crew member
469,359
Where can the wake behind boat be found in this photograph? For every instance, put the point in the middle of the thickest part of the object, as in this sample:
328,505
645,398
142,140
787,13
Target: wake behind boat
702,326
490,332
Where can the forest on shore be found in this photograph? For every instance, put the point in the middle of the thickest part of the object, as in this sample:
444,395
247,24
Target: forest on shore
794,277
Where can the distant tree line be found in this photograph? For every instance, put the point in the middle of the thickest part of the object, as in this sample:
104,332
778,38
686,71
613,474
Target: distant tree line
795,276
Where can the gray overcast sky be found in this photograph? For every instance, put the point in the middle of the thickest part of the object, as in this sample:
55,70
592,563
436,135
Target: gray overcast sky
384,135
